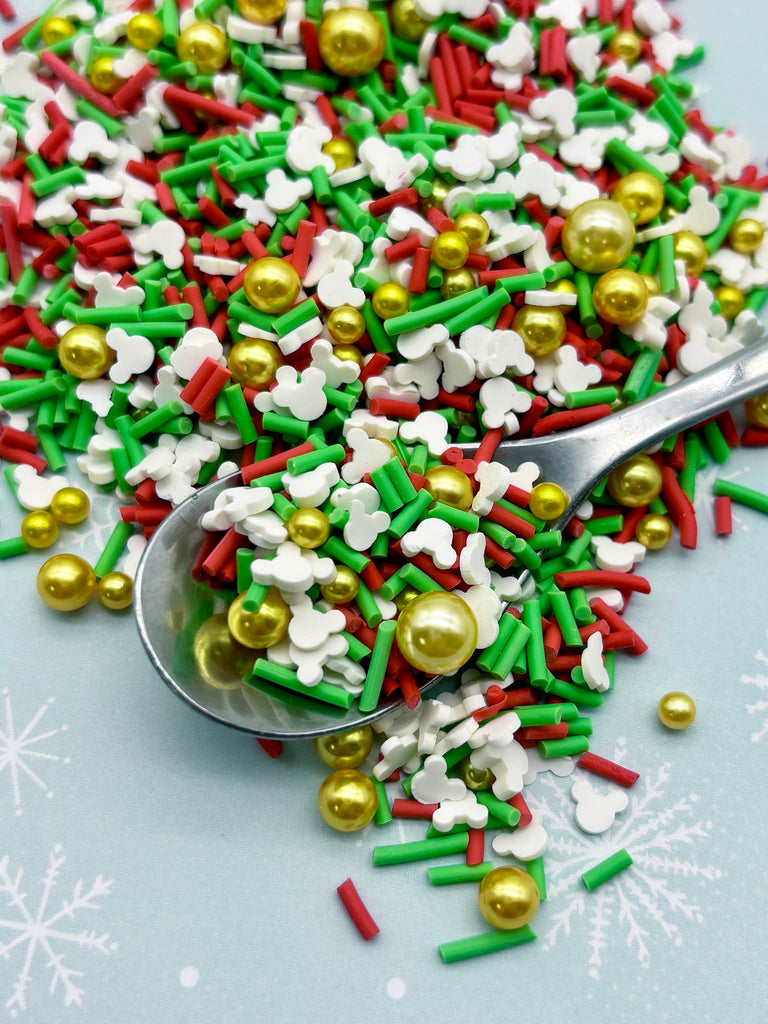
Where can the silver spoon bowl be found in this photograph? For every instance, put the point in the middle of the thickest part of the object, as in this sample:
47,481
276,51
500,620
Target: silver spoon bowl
170,606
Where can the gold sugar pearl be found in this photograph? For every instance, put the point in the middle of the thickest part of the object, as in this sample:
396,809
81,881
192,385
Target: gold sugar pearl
349,354
346,325
407,24
457,282
731,301
84,352
103,76
690,248
271,285
309,528
654,531
56,30
641,195
756,409
406,595
254,362
626,46
39,529
548,501
263,628
70,505
345,749
343,588
66,582
676,710
477,779
746,236
262,12
542,329
598,235
342,151
450,486
347,800
144,31
390,299
205,45
474,228
635,482
653,286
508,898
620,296
115,591
220,660
351,41
437,632
450,250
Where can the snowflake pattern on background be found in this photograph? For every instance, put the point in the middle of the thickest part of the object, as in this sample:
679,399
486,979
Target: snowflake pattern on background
28,932
20,751
760,707
652,830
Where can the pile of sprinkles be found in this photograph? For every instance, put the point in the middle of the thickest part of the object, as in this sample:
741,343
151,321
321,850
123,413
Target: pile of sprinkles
336,247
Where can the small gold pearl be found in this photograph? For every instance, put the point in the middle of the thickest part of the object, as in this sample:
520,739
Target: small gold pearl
548,501
341,151
676,710
103,77
746,236
347,800
450,250
66,582
271,285
635,482
474,227
84,352
343,588
756,409
598,235
55,30
450,486
731,300
542,329
309,528
346,325
626,46
690,248
457,282
262,12
351,41
406,22
263,628
390,299
641,195
345,749
620,297
205,45
39,529
508,898
254,362
144,31
115,591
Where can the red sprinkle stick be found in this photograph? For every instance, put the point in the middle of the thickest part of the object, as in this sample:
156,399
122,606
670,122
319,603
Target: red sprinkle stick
356,909
723,521
608,769
603,578
475,847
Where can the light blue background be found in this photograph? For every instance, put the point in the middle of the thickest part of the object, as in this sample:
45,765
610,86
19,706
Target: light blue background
219,862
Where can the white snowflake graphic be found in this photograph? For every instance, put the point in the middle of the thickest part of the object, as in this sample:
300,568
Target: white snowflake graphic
760,707
652,830
20,751
25,932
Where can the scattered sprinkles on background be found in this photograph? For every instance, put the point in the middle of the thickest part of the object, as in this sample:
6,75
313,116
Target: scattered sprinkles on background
347,250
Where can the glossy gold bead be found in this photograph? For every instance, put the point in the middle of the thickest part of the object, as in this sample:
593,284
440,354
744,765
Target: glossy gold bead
342,151
641,195
437,633
626,46
406,595
450,250
437,195
346,325
84,352
70,505
477,779
39,529
746,236
548,501
103,77
66,582
263,628
349,354
598,236
56,29
115,591
144,31
343,588
690,248
407,24
676,710
220,660
254,362
271,285
654,531
756,409
308,527
262,12
635,482
564,287
205,45
474,227
620,296
347,800
457,282
390,299
731,301
651,284
542,329
351,41
450,486
508,898
345,749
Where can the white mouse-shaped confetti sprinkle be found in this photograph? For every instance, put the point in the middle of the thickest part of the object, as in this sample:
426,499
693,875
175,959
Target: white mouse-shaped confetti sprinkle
395,752
466,811
433,537
34,491
135,354
592,666
284,194
429,428
310,628
595,812
311,489
524,843
501,399
362,528
433,784
368,453
197,345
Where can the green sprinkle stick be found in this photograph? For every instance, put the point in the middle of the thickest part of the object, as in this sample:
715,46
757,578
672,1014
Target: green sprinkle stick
374,679
479,945
425,849
606,870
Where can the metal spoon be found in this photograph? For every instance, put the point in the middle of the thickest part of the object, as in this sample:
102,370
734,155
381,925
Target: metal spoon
170,606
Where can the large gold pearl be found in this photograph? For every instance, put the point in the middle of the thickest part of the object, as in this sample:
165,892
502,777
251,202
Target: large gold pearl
437,633
457,282
221,661
263,628
66,582
474,227
548,501
309,527
626,46
450,486
343,588
205,45
346,325
342,151
756,409
598,236
70,505
56,29
347,800
262,12
641,195
450,250
620,297
390,299
476,779
690,248
635,482
542,329
508,898
254,362
651,284
271,285
39,529
654,531
144,31
345,749
115,591
406,23
84,352
103,77
676,710
746,236
351,42
349,354
731,301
